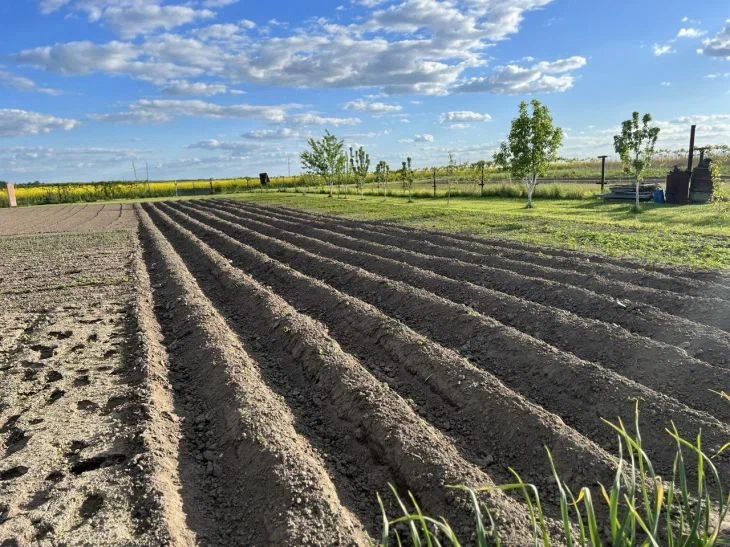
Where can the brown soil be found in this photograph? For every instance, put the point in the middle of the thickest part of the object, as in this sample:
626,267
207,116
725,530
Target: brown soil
221,373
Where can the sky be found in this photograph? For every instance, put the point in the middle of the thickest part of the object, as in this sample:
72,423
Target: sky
230,88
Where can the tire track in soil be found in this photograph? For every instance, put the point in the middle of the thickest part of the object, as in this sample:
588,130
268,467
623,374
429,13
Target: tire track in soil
661,367
709,344
418,456
263,482
488,421
675,272
562,384
596,265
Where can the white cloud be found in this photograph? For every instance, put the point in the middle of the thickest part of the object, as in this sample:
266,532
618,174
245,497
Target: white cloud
460,119
218,3
718,45
20,123
660,50
315,119
665,84
512,79
716,75
404,47
130,18
425,137
690,32
161,110
21,83
361,105
183,87
272,134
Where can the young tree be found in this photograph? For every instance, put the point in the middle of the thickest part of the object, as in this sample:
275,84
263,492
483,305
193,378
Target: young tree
325,158
382,170
360,165
406,177
533,142
635,146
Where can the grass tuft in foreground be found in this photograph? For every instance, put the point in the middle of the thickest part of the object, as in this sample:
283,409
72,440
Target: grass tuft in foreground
641,508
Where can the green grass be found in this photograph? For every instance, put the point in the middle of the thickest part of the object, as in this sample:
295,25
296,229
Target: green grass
641,508
695,236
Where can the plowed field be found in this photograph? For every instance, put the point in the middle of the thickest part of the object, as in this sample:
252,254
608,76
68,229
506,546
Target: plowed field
217,372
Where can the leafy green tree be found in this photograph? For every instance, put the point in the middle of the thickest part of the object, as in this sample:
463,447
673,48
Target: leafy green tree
382,170
325,158
360,165
406,177
635,145
531,145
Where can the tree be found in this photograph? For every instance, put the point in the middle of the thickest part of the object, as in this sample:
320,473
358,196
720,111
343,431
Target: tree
325,158
360,164
531,145
406,177
635,146
382,170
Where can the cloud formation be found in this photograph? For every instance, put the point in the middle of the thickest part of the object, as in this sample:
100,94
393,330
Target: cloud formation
541,77
20,123
718,45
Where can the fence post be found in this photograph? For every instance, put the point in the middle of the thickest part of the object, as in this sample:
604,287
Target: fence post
211,186
11,194
434,182
481,192
603,171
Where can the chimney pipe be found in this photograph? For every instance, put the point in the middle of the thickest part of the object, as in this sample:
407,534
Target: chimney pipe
690,161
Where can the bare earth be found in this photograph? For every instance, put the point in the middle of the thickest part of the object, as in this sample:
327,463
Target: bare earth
223,373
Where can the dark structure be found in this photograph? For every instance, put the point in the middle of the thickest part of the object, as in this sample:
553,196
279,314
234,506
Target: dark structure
678,186
700,190
677,192
264,179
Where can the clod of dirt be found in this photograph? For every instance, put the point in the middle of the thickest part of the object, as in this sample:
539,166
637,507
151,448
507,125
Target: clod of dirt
56,395
114,402
13,473
45,351
91,505
4,510
82,381
53,376
16,441
9,423
87,405
97,462
55,476
61,335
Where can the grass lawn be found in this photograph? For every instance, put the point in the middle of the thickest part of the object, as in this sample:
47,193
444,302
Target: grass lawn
695,236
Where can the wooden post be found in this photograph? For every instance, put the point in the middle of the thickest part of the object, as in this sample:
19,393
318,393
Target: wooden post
481,192
603,171
434,182
11,195
211,186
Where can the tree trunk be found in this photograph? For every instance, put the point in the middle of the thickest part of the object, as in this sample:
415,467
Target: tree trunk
530,189
637,194
329,183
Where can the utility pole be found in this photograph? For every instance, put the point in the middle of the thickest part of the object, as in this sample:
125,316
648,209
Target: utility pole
603,171
288,165
434,182
135,172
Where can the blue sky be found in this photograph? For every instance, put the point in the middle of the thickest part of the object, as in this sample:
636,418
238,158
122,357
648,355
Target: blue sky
214,88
